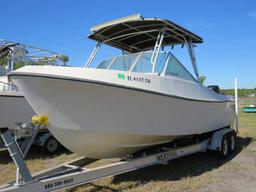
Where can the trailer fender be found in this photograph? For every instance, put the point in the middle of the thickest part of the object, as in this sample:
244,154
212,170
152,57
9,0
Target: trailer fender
217,138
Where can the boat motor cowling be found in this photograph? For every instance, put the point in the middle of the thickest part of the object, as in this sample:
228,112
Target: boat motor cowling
214,88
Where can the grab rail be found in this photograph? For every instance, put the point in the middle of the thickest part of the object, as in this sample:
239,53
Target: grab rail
9,86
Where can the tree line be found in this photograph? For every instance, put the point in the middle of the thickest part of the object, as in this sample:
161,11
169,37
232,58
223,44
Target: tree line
240,92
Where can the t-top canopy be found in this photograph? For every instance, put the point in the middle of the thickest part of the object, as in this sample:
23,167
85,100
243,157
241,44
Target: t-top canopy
30,54
135,33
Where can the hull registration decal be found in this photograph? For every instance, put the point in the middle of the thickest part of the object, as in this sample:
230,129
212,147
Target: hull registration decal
133,78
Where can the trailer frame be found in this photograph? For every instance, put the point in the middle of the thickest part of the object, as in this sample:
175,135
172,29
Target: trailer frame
74,173
40,140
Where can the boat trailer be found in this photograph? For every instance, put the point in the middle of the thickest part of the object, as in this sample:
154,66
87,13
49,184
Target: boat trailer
74,173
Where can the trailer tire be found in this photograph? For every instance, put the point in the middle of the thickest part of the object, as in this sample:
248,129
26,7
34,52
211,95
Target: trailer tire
51,145
232,142
224,151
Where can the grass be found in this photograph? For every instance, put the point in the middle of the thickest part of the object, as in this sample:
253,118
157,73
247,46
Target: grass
247,124
193,173
36,162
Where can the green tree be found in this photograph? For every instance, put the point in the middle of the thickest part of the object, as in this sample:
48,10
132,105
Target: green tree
3,61
240,92
19,64
64,59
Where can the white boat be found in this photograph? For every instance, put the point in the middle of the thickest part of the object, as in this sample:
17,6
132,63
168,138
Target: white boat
13,106
142,98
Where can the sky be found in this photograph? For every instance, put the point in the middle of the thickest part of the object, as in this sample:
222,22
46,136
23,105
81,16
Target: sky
228,28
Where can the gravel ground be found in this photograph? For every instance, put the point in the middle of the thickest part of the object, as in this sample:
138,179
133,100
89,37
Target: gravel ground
238,175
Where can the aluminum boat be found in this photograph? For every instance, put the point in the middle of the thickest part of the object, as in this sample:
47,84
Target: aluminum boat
142,98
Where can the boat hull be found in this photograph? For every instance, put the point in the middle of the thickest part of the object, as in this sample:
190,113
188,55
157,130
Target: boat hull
99,120
14,108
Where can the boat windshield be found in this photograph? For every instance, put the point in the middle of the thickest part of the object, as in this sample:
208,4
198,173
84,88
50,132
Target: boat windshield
166,64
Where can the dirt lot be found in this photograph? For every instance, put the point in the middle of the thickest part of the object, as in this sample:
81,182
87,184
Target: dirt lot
199,172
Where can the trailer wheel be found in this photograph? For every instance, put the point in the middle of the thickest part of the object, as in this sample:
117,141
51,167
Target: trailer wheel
51,145
232,142
224,151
